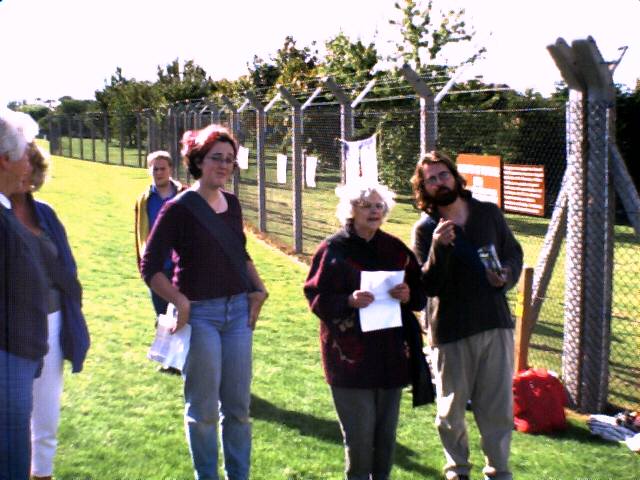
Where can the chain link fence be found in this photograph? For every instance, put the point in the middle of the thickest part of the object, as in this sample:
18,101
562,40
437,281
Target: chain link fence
528,134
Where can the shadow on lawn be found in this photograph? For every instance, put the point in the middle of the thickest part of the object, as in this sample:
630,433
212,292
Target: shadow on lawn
328,431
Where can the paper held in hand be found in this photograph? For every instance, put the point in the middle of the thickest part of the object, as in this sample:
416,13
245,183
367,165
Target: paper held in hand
384,311
170,349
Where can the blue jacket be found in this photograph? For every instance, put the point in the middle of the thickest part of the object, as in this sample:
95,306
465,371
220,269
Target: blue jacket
74,337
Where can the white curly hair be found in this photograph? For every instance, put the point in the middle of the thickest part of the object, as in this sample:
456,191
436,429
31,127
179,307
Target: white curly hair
357,191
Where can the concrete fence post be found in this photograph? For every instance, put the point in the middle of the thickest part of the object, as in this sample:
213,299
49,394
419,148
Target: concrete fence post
346,121
234,123
260,156
296,147
428,133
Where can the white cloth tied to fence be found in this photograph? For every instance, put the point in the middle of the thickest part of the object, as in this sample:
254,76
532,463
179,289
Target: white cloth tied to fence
243,157
310,171
362,162
281,168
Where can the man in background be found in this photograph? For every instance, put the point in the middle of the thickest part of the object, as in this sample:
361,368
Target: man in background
162,189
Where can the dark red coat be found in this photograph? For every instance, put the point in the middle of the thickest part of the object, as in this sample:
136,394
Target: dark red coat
351,358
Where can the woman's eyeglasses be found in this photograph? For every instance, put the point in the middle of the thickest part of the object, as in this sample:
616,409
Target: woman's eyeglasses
221,159
371,206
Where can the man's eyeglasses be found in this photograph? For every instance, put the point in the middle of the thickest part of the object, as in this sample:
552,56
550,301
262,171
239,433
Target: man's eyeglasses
221,159
442,177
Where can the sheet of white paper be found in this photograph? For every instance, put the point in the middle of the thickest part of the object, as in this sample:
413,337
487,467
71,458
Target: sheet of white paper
384,311
281,168
243,157
310,173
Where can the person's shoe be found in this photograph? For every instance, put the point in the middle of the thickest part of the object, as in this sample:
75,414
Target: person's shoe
169,370
48,477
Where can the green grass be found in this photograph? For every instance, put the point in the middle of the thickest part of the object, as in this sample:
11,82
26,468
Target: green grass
122,420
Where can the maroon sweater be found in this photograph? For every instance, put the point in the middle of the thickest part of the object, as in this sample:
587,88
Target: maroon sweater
202,271
352,358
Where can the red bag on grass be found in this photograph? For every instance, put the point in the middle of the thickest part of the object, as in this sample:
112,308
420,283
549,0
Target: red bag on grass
538,402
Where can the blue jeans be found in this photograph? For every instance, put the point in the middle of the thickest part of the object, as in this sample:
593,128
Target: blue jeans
16,387
217,382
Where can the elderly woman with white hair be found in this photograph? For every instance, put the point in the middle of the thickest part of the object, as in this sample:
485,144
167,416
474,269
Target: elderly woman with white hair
23,305
366,370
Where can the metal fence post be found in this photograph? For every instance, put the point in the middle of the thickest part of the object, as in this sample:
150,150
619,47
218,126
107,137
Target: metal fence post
235,128
93,139
122,121
261,167
296,147
106,136
346,121
70,133
428,133
139,139
81,135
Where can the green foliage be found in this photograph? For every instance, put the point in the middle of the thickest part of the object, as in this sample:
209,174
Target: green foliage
349,62
425,37
189,84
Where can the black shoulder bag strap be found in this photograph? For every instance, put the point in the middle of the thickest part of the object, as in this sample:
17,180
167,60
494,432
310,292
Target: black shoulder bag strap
231,243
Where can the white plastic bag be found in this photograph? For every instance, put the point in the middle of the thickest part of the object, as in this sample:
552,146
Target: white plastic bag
169,349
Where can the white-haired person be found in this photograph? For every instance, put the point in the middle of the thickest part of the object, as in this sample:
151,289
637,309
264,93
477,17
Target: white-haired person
68,336
366,371
23,302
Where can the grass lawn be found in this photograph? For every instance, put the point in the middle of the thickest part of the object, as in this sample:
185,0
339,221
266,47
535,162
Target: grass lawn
122,420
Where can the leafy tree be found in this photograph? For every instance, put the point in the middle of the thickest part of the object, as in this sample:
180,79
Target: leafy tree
424,38
189,84
349,62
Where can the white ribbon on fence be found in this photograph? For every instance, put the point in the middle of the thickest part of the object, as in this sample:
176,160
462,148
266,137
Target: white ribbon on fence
281,168
310,171
243,157
362,162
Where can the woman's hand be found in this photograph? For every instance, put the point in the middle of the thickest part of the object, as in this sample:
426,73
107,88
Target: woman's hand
184,310
256,300
360,299
401,292
445,233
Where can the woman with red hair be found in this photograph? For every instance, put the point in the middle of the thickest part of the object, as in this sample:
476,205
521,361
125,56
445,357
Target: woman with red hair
217,290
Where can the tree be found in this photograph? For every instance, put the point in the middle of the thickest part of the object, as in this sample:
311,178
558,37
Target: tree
189,84
349,62
424,39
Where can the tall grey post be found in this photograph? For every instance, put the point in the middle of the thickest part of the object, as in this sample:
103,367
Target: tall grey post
428,123
122,126
139,138
296,147
81,135
346,122
234,124
261,167
590,223
105,126
70,133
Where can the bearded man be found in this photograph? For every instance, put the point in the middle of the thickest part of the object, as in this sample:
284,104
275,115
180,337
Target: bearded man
470,326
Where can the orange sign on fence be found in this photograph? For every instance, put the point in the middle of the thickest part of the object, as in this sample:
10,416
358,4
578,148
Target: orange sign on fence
483,176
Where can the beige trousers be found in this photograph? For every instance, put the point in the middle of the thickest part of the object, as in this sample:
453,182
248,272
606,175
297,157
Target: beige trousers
477,368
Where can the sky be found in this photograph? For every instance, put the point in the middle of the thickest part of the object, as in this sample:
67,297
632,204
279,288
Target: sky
52,48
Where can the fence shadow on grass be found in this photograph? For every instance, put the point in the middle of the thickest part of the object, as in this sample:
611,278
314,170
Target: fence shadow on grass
328,431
